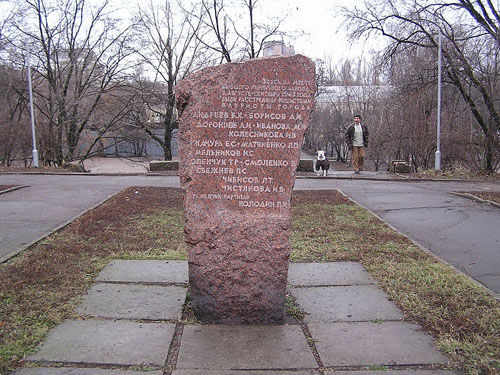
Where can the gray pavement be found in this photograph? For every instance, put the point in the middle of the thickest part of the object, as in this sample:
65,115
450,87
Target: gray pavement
327,341
49,202
459,230
130,317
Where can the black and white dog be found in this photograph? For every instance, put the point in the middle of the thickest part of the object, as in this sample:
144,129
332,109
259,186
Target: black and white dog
322,163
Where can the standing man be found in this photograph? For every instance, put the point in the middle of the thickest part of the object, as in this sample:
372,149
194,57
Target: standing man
357,139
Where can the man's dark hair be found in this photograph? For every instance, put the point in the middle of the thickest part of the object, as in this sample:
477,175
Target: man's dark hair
358,116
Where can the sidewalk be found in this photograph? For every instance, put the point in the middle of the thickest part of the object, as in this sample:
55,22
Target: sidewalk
132,324
139,166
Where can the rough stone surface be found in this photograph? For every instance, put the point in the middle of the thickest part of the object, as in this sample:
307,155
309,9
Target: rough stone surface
145,271
79,371
223,347
241,129
374,344
149,302
107,343
163,165
346,304
305,165
324,274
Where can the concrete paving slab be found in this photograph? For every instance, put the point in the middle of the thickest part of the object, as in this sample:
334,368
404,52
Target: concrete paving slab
145,271
346,304
322,274
243,372
368,344
79,371
107,343
124,301
392,372
222,347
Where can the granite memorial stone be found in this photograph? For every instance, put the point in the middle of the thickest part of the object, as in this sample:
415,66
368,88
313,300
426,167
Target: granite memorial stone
241,128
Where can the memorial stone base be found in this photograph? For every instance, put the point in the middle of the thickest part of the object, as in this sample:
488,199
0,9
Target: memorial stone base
244,280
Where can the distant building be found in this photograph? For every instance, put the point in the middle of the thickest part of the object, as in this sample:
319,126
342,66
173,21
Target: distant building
354,95
277,48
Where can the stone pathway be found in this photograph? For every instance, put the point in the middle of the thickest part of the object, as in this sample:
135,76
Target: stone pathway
132,326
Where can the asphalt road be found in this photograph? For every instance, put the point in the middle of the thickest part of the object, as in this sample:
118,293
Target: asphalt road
51,201
460,231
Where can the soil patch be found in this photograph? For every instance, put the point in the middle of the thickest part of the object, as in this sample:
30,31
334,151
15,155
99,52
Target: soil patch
32,170
41,287
493,196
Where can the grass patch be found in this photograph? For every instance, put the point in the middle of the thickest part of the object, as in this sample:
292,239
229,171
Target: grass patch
293,308
464,319
41,287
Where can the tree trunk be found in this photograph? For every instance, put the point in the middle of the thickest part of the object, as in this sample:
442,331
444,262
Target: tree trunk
167,146
489,154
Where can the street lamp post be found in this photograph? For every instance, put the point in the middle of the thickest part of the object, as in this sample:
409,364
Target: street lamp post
35,152
437,159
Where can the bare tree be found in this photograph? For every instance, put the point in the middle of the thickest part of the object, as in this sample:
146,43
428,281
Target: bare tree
14,138
235,34
484,13
170,50
470,59
79,55
212,28
256,33
14,120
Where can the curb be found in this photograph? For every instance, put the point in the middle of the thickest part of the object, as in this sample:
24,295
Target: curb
56,229
391,179
156,174
13,189
425,250
476,198
73,174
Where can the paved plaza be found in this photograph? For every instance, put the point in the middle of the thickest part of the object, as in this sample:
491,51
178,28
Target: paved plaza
131,319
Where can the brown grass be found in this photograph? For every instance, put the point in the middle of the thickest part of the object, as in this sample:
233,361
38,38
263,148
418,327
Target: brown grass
493,196
41,287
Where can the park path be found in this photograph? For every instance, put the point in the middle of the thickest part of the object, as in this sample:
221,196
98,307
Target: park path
461,231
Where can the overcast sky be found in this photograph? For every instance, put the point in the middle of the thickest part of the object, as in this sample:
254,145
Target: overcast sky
318,21
321,22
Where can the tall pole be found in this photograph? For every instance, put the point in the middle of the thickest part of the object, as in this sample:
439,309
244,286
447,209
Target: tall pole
35,152
437,160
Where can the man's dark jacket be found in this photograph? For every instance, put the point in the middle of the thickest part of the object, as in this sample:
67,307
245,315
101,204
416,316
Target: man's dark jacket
350,134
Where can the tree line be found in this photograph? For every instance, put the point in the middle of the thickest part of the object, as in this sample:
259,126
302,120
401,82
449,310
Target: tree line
397,88
101,76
